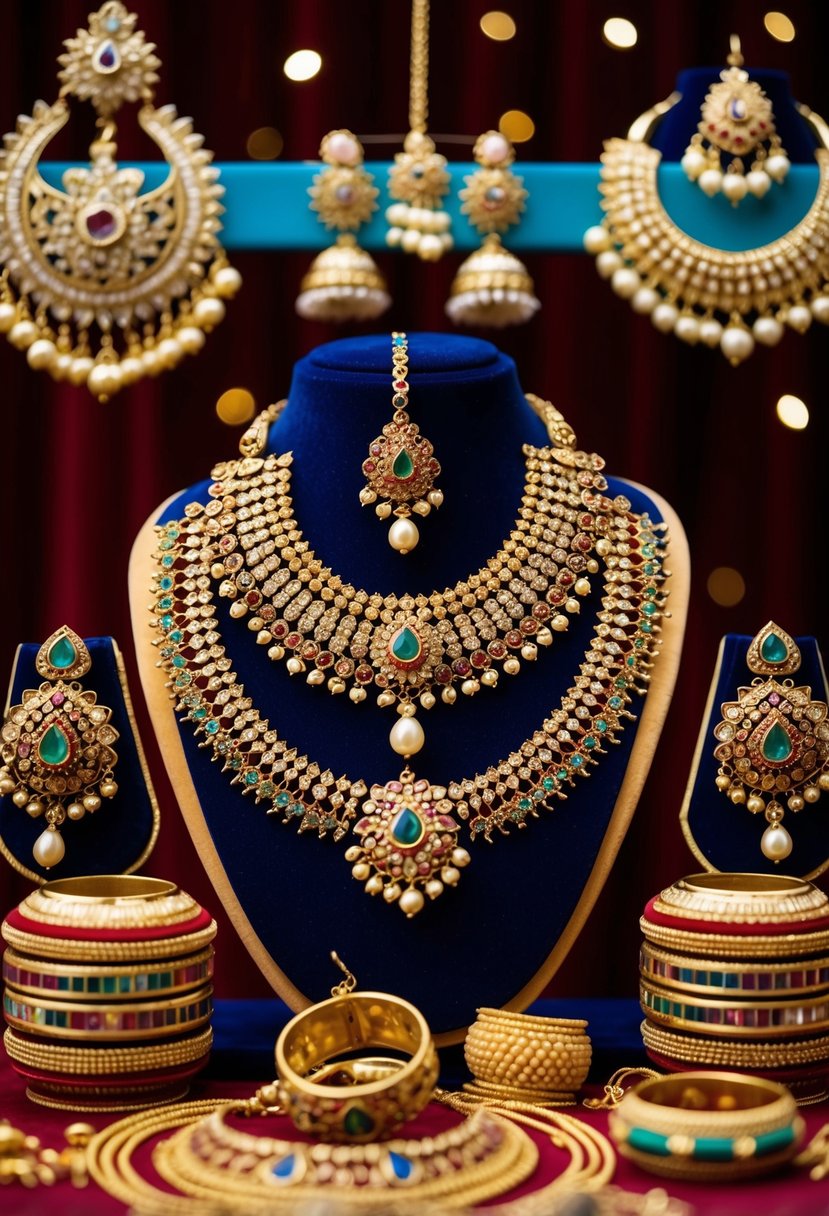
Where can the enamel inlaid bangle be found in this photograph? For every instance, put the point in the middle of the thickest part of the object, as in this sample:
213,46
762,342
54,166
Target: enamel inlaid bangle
709,977
98,1061
104,983
347,1023
62,1019
740,1018
707,1126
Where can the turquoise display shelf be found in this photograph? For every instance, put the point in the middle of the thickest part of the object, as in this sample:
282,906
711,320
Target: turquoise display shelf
267,207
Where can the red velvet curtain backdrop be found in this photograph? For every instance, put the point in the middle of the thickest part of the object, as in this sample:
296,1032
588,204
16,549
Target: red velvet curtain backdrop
79,479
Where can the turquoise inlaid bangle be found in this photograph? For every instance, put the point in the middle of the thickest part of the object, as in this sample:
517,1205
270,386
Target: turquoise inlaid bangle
715,977
798,1016
104,1022
713,1148
106,983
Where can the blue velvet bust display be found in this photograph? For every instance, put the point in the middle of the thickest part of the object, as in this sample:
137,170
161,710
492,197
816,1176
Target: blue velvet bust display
119,836
725,837
485,941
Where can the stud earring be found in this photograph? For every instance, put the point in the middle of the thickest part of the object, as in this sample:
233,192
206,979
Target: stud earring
401,468
773,741
492,287
56,746
343,282
737,120
103,284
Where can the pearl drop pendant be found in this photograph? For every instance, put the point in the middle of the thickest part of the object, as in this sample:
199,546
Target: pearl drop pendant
49,848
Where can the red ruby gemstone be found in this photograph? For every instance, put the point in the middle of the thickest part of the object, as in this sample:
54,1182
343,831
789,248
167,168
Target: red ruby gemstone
478,659
443,674
101,224
462,667
293,639
513,638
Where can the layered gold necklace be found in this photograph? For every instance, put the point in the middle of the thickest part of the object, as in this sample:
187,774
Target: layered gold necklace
244,545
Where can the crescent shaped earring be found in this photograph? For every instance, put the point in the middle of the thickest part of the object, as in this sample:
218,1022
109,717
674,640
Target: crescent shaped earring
103,283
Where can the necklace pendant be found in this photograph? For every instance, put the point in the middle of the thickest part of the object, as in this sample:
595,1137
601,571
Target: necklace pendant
409,843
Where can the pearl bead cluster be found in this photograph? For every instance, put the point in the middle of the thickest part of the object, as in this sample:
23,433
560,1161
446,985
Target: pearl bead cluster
419,230
706,172
540,1059
734,301
418,180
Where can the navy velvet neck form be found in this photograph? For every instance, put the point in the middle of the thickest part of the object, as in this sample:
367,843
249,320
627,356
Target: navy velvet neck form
481,944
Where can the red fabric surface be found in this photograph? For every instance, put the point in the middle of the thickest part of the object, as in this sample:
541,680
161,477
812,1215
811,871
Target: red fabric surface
788,1194
80,479
732,928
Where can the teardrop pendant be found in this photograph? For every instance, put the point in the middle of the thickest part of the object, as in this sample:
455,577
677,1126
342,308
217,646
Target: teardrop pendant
49,848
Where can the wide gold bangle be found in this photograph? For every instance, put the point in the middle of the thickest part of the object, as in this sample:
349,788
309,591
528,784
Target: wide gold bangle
67,1020
707,1126
101,1061
109,901
713,977
103,951
350,1022
743,899
101,983
737,946
513,1055
738,1018
736,1054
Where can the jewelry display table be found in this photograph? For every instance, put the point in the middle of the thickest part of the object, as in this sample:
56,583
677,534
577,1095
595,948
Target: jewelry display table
243,1059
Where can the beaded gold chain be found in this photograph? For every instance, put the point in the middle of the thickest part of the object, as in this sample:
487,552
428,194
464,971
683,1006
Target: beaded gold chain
244,545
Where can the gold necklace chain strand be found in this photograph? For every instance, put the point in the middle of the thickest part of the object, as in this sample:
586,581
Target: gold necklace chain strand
244,545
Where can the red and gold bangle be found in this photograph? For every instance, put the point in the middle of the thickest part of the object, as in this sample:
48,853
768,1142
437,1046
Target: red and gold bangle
728,946
745,1019
62,1019
100,1061
28,938
101,983
714,977
735,1054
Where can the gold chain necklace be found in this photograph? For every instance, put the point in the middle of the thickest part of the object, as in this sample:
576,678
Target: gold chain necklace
244,544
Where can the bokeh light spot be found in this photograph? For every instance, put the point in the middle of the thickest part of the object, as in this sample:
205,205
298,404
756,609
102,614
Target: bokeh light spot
302,65
517,126
265,143
726,586
498,26
620,33
235,406
793,412
779,26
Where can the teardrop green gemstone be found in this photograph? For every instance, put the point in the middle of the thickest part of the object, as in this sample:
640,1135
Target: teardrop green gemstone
62,655
777,745
773,649
357,1122
403,465
53,748
407,827
405,645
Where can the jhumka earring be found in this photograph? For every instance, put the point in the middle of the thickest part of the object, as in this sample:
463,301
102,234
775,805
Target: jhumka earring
733,299
343,283
773,741
418,179
56,746
492,287
97,258
736,119
401,468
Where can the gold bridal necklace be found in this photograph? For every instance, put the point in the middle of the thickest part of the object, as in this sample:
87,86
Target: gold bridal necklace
244,545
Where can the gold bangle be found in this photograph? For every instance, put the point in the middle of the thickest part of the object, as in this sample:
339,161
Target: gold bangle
544,1056
151,1102
781,946
95,1061
707,1125
65,1020
107,951
739,1018
743,899
93,983
734,1054
109,901
348,1022
712,976
489,1091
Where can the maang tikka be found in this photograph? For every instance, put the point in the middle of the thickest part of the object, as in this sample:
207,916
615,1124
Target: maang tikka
773,741
101,284
401,468
57,745
736,119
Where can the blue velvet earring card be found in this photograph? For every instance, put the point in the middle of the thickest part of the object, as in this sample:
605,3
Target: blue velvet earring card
484,942
118,837
725,836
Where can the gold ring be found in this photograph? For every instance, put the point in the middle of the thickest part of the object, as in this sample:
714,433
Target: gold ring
362,1110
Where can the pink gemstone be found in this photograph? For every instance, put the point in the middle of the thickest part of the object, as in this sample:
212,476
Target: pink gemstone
101,224
23,749
58,698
